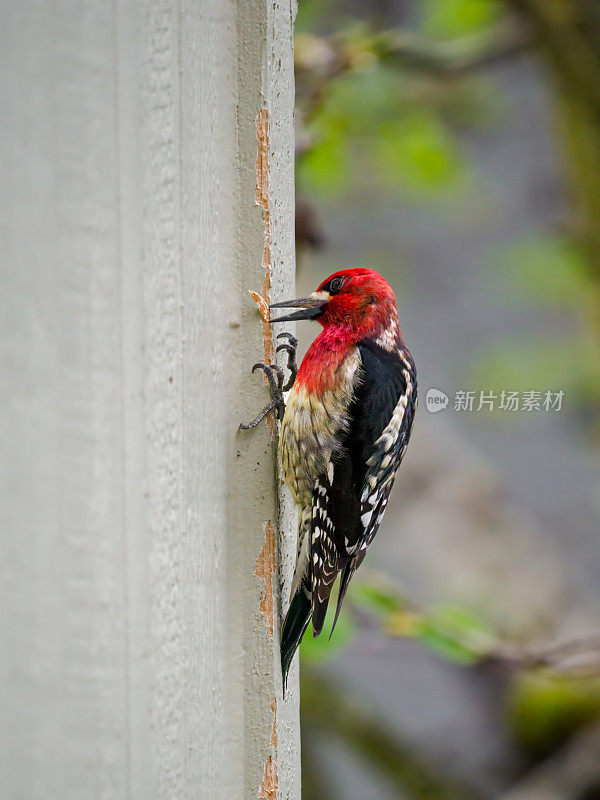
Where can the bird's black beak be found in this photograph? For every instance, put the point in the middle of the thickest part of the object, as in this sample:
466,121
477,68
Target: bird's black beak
310,308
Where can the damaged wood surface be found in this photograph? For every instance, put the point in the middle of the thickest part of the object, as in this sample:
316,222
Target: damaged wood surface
266,564
266,567
262,199
270,785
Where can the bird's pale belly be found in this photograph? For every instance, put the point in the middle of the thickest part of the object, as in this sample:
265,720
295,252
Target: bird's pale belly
309,434
305,444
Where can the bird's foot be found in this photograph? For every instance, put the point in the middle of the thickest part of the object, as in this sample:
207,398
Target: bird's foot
277,404
275,377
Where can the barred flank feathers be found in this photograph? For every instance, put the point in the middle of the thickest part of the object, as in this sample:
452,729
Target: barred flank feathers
324,556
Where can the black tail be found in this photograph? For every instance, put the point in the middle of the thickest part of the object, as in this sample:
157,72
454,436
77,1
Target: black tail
296,622
344,583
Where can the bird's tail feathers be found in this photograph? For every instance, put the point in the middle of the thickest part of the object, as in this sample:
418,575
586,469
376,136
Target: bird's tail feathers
344,583
321,592
296,622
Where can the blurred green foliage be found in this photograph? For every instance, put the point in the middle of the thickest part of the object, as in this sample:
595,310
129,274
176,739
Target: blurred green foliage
456,634
367,128
545,709
415,150
450,631
541,364
371,113
547,272
444,19
550,271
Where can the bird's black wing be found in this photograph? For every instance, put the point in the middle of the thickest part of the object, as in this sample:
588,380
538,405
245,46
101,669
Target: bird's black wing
385,407
349,502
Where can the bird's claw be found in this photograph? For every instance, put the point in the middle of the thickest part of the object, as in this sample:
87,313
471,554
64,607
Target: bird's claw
290,347
276,384
290,336
275,376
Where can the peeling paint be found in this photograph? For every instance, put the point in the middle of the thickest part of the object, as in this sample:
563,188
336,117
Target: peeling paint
266,566
262,199
265,570
262,304
262,159
270,783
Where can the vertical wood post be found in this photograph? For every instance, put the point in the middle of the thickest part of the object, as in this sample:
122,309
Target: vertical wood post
147,185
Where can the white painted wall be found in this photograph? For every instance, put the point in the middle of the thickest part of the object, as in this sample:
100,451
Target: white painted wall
135,661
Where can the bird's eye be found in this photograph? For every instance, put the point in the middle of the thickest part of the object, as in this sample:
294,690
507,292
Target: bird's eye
336,285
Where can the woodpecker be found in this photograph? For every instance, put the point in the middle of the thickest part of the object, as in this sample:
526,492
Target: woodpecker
344,431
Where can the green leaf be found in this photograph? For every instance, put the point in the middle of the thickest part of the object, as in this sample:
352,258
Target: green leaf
456,634
416,152
445,19
544,709
325,168
362,101
377,599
